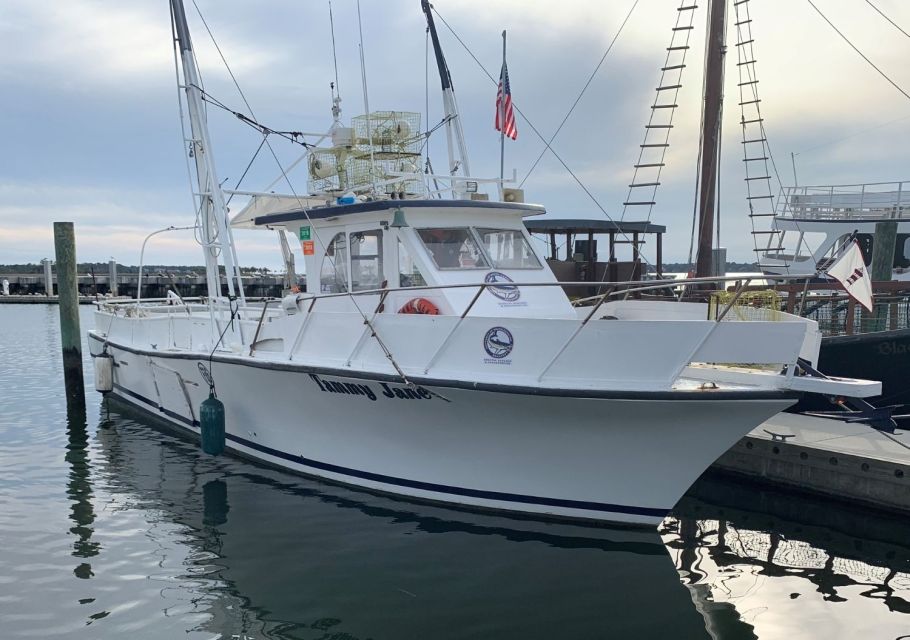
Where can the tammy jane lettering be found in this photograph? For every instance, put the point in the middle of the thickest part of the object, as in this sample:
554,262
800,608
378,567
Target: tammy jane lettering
359,389
350,388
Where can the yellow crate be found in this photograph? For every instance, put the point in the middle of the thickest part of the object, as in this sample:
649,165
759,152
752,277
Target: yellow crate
751,305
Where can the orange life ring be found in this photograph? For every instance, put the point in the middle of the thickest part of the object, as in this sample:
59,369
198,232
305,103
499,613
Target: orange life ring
420,306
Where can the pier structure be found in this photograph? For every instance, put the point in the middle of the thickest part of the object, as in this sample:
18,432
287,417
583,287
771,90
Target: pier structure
834,458
39,287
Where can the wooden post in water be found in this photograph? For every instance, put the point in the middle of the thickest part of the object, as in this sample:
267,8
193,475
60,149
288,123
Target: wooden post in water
112,278
68,297
882,265
48,278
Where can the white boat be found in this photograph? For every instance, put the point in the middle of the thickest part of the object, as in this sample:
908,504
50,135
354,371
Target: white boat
812,222
435,355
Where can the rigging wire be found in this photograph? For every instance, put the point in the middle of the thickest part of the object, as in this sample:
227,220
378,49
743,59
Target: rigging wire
580,95
861,54
882,14
294,137
250,164
852,135
536,131
367,322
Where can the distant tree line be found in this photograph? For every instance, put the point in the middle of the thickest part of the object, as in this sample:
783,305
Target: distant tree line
732,267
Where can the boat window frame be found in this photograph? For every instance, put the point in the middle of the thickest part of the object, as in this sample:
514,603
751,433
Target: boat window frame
378,257
524,236
470,233
330,256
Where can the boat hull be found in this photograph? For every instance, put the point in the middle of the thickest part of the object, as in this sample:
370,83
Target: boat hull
611,458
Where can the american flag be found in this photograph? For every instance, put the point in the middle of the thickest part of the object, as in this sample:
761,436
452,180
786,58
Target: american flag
504,105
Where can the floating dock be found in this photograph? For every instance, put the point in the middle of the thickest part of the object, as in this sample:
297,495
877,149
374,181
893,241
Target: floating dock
848,461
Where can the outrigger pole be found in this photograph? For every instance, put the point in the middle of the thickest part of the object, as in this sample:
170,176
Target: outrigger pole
454,132
715,46
217,238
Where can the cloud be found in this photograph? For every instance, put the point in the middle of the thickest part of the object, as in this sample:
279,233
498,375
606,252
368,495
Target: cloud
92,135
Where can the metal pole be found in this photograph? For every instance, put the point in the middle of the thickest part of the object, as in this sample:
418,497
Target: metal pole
68,297
502,120
714,89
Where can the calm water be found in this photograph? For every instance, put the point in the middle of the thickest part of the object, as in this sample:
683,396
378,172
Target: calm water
112,528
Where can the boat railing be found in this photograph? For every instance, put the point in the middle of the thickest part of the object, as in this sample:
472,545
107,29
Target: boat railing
871,200
724,293
673,290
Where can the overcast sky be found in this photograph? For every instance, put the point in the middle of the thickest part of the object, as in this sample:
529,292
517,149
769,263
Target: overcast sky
91,132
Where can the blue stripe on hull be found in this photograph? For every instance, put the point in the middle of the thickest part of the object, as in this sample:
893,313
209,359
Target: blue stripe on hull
413,484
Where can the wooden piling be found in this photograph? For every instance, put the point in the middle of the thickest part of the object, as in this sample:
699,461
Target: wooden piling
68,297
112,278
882,265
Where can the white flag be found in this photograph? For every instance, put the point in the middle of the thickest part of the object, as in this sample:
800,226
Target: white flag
850,270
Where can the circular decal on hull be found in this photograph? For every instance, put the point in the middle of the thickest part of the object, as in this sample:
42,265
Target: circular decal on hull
508,293
498,342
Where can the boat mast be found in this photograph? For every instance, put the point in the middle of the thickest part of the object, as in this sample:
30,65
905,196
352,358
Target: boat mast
453,121
217,238
715,50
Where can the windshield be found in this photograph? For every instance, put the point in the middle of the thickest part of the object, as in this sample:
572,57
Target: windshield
453,248
508,249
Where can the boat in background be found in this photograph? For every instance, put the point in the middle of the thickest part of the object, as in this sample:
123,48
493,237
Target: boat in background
815,221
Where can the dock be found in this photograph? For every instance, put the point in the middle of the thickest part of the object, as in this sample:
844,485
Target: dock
833,458
41,299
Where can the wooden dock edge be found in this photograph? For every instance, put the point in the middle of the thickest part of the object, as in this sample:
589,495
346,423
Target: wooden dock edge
857,479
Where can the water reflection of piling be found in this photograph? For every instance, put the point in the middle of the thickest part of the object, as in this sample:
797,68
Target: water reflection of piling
68,296
79,489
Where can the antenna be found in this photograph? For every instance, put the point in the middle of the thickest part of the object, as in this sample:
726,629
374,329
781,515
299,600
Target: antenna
366,99
335,86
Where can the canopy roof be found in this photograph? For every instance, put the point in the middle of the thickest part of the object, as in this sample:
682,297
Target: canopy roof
585,225
264,205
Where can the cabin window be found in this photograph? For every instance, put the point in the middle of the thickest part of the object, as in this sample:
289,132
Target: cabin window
334,273
366,260
408,273
453,248
508,249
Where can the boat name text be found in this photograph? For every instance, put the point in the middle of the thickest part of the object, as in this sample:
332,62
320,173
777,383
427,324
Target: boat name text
360,389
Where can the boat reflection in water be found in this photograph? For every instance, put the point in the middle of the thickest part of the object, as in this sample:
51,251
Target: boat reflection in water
266,554
792,567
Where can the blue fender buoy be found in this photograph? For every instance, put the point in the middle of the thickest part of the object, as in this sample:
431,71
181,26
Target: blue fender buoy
211,419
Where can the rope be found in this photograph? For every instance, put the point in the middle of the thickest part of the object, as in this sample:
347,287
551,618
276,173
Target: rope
861,54
582,93
537,132
882,14
243,175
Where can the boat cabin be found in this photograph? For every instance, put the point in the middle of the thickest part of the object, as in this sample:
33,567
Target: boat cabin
398,245
579,240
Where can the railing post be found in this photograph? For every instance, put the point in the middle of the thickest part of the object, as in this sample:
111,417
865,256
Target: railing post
575,333
265,306
445,342
303,326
